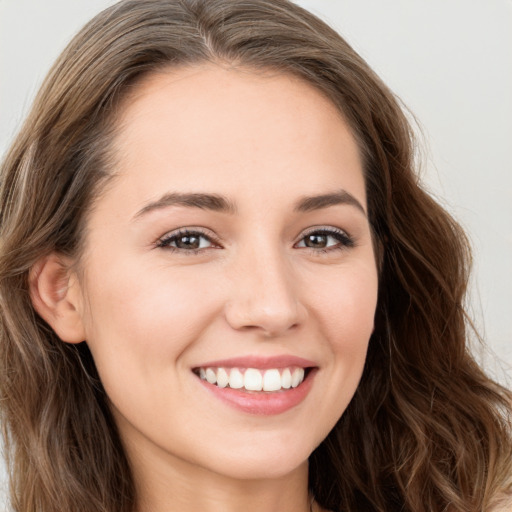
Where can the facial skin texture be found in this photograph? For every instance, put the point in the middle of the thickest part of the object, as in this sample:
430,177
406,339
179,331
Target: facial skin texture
151,314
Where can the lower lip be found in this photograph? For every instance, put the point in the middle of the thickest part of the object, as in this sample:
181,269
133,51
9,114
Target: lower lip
261,402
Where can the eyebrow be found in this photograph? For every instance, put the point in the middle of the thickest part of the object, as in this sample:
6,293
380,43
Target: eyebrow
311,203
212,202
219,203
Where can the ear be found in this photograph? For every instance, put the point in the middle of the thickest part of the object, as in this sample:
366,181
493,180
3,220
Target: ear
55,295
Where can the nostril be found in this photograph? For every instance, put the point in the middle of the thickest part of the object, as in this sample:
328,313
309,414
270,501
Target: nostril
271,320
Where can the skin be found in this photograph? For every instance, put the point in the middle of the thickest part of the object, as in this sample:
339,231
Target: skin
150,313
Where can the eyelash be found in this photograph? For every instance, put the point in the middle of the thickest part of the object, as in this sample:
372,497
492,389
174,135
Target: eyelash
166,240
345,241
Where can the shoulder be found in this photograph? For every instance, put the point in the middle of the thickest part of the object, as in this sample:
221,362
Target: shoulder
502,503
502,507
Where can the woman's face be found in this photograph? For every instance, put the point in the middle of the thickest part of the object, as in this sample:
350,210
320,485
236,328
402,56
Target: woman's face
233,246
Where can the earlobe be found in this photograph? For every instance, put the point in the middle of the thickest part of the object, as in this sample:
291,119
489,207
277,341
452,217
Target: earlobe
54,292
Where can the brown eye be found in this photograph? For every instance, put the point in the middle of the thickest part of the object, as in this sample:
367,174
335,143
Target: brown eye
326,239
186,241
316,241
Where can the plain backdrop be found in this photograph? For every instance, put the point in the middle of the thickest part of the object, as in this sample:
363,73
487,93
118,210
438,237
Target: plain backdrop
450,61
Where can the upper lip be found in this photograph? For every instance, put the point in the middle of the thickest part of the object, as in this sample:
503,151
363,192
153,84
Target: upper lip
260,362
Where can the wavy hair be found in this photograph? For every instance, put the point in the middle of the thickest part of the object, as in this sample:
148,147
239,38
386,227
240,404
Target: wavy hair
427,430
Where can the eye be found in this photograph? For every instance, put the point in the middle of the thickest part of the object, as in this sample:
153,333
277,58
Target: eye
326,239
186,240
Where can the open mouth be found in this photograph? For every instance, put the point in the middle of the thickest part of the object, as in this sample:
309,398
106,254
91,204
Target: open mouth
270,380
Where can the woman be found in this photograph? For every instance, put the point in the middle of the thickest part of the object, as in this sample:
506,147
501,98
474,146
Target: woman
222,286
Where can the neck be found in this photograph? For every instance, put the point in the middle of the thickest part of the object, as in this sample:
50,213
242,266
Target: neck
179,487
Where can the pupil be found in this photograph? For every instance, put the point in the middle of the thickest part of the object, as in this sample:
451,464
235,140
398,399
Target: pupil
188,242
316,241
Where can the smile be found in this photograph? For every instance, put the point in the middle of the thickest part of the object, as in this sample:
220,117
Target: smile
258,385
253,379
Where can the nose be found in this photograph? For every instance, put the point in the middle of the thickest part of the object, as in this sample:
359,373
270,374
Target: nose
263,295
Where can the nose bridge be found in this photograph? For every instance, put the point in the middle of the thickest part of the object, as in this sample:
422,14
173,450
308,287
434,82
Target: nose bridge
263,294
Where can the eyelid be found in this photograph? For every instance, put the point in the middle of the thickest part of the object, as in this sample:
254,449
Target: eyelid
345,239
325,228
162,241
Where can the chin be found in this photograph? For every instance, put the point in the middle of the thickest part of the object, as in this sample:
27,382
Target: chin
263,461
273,468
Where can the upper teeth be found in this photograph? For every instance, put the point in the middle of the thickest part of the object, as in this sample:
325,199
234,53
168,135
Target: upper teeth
253,379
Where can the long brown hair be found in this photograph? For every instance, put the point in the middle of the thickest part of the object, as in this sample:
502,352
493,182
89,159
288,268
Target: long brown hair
427,430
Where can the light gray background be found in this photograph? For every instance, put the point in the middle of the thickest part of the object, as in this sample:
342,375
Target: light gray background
449,60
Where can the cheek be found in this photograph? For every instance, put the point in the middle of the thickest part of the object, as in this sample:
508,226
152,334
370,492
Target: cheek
141,319
345,303
345,310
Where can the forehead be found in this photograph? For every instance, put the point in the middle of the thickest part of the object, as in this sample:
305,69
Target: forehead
218,127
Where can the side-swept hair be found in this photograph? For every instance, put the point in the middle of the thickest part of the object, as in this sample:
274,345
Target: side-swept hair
427,430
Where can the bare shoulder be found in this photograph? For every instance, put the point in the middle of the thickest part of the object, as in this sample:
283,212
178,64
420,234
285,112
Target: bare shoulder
503,503
316,507
502,507
321,509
